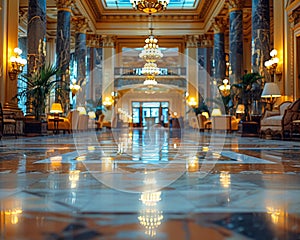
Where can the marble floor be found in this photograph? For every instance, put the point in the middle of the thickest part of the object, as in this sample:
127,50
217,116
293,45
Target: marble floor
149,184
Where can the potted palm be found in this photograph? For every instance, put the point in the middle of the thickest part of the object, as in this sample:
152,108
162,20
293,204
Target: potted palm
36,91
250,88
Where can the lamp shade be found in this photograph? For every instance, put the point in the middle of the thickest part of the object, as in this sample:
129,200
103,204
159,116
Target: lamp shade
240,108
81,110
92,115
216,112
56,108
270,90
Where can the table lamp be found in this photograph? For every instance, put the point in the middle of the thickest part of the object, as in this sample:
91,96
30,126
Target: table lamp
56,109
271,92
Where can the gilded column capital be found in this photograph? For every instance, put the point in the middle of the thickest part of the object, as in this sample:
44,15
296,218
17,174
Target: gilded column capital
235,5
94,40
294,17
108,41
64,4
219,25
80,24
206,41
191,41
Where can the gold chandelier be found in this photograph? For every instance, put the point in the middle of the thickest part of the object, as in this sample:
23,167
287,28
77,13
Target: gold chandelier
151,52
150,80
149,6
150,68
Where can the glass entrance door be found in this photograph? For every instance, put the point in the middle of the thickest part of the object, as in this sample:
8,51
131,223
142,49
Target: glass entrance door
145,112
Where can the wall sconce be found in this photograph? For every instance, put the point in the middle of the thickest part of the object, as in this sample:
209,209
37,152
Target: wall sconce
74,87
108,102
192,102
272,63
17,64
225,88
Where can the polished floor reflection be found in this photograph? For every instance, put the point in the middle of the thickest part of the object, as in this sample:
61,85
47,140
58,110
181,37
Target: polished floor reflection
149,184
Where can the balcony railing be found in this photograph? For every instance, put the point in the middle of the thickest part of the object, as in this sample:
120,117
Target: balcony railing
170,71
178,82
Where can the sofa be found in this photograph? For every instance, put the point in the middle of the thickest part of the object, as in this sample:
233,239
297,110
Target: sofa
279,122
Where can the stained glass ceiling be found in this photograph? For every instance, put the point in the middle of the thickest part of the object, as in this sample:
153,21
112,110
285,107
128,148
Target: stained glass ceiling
173,4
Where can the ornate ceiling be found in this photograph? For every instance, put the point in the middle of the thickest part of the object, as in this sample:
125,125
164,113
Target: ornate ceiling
116,18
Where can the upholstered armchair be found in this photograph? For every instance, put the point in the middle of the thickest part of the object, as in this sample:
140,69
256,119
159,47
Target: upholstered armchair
271,122
204,123
66,124
99,122
225,123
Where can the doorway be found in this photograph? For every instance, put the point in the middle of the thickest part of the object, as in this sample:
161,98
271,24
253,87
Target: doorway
143,112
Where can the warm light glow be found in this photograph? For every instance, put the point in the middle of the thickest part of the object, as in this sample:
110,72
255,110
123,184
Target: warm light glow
13,215
150,80
150,68
273,53
92,115
225,179
56,108
150,198
74,177
205,149
274,213
193,164
108,101
151,52
192,102
205,114
240,108
151,219
81,110
225,88
270,90
272,63
216,112
74,87
149,6
17,64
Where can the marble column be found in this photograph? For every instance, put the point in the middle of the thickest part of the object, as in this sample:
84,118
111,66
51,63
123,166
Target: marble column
36,34
205,54
80,57
63,36
108,66
235,40
192,67
219,50
95,70
260,34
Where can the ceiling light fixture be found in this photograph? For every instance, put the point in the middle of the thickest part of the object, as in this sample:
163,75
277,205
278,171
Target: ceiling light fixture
151,53
149,6
150,81
150,68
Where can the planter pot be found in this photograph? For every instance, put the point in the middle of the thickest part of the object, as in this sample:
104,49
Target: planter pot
35,128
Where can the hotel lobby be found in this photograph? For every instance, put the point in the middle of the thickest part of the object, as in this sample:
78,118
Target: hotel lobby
173,120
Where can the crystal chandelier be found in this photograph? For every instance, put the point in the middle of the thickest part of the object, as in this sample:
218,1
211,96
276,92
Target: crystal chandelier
149,6
150,68
150,80
151,53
